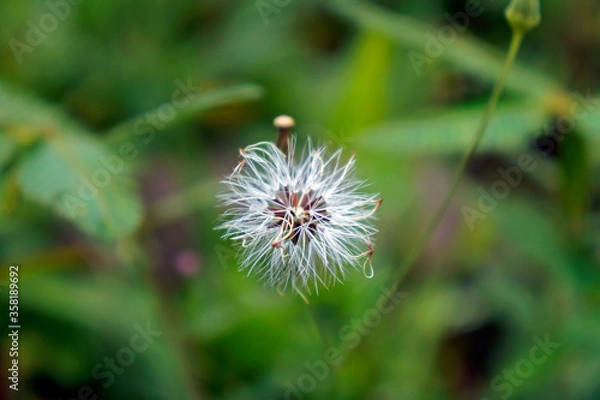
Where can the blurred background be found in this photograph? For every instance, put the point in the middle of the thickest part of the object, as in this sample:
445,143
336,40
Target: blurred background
118,119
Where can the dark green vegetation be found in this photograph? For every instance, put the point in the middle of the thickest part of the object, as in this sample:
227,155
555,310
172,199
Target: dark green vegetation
118,119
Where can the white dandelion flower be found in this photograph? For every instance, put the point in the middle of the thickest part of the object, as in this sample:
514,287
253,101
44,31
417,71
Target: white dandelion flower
300,224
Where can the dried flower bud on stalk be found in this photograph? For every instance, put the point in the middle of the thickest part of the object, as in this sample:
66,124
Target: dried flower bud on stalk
523,15
302,223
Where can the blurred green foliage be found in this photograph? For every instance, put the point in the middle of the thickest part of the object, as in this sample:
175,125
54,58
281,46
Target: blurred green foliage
118,119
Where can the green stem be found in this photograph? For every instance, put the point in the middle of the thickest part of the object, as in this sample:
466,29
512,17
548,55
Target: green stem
319,327
412,257
325,344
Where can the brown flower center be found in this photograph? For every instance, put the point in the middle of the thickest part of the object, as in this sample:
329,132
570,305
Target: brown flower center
293,211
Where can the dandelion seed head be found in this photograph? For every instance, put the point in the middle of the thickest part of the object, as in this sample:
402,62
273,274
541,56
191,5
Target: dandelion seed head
300,224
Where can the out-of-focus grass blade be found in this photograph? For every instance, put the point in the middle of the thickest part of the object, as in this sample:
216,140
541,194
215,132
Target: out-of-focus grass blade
466,52
198,103
97,301
590,124
575,181
451,132
368,78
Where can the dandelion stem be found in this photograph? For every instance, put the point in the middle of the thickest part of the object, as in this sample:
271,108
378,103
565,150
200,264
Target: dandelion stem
319,327
412,257
326,343
284,124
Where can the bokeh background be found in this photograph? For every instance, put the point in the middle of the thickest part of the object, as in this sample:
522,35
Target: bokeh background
118,119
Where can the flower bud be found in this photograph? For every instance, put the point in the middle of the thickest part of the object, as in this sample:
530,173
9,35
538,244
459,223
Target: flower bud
523,15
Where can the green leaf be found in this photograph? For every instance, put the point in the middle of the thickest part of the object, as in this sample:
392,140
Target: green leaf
82,181
451,132
64,170
198,103
21,109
